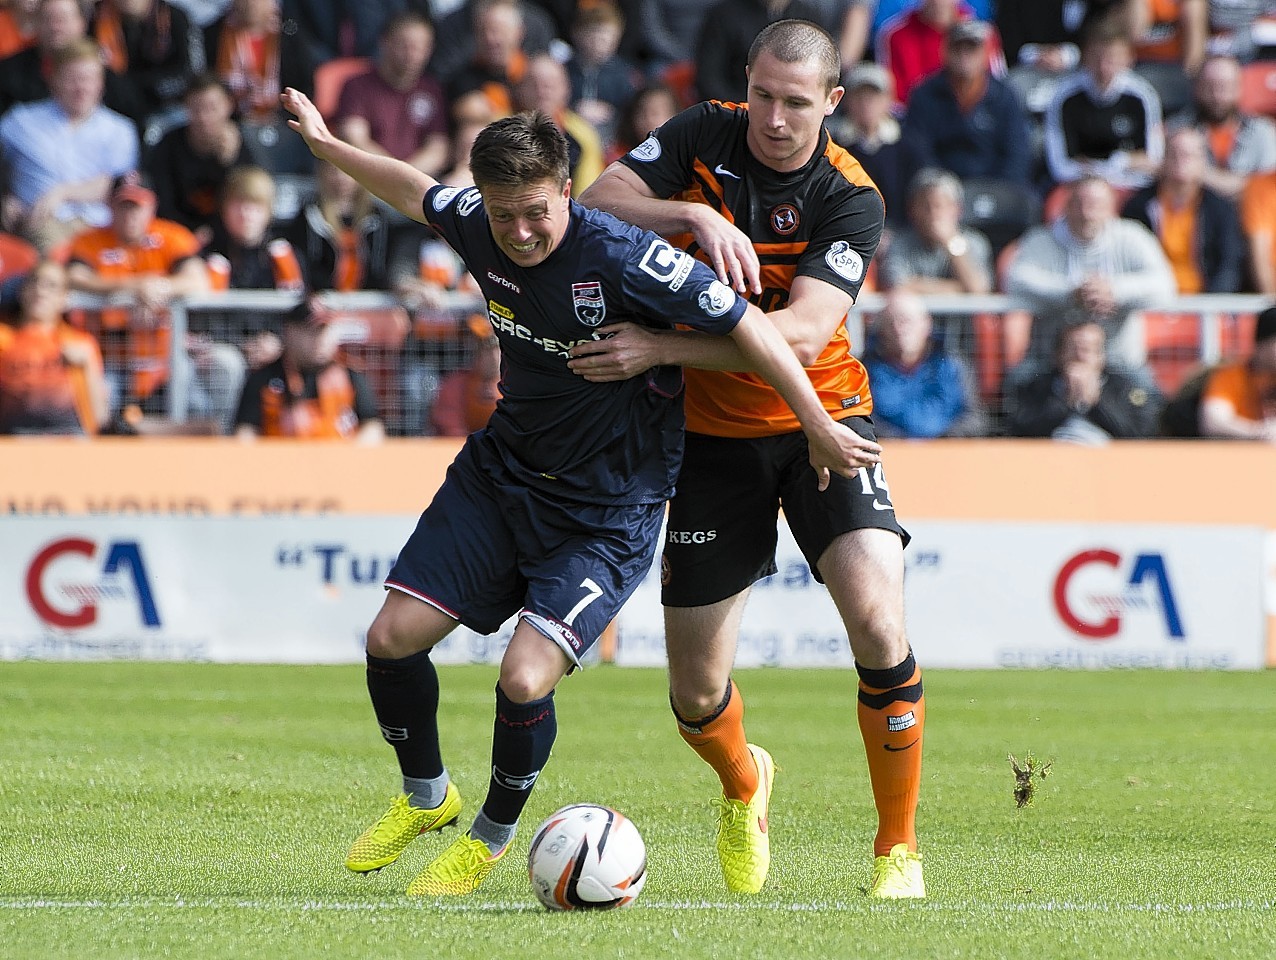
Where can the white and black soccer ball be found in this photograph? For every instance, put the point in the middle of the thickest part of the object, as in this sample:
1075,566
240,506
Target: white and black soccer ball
587,857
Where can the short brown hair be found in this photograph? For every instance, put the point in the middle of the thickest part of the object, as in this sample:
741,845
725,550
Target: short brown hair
518,150
797,41
249,183
83,48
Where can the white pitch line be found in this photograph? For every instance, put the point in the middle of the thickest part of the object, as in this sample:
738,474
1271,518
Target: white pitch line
1049,906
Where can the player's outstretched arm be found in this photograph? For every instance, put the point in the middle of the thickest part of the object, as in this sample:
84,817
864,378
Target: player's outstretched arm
623,194
832,446
399,184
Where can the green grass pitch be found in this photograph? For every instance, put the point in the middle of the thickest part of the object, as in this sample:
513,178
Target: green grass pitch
203,811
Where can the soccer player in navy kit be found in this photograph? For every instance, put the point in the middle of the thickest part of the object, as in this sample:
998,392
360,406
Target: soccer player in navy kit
552,512
761,193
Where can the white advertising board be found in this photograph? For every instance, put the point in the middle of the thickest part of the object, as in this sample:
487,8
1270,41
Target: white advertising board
986,595
304,589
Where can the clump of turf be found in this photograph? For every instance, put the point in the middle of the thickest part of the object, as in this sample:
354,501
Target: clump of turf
1027,777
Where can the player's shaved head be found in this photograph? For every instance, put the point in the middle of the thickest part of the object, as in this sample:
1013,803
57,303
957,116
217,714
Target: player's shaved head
518,150
799,41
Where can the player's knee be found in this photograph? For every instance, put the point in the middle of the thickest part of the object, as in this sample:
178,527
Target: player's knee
879,638
523,684
692,699
388,641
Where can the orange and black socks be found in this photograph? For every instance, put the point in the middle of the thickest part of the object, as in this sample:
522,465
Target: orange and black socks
892,713
720,741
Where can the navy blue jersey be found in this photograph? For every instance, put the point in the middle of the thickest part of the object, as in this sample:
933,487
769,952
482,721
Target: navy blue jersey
595,442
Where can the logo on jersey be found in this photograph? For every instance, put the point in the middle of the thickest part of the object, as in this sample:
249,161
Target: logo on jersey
469,202
443,197
667,264
646,151
587,299
845,262
716,299
503,281
784,219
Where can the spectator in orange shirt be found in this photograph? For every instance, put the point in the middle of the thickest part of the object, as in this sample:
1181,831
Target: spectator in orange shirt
51,378
467,397
1258,218
1199,230
1240,144
1239,401
257,53
307,393
17,26
154,261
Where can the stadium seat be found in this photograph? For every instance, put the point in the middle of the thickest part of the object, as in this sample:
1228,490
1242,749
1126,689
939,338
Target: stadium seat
1173,342
274,147
1258,88
331,76
1000,209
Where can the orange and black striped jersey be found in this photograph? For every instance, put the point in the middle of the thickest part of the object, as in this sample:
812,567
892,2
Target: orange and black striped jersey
822,221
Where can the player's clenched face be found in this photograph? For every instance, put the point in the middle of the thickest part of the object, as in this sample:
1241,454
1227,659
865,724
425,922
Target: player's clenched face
528,222
787,106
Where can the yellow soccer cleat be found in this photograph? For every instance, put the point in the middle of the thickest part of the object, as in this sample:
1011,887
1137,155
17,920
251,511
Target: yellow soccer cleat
744,848
458,870
381,844
898,875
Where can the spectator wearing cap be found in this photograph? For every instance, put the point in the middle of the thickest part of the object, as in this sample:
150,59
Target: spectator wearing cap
152,261
308,393
910,44
1105,119
1239,400
965,120
864,125
63,152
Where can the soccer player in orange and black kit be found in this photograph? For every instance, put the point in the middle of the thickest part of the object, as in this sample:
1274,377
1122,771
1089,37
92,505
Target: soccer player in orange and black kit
761,193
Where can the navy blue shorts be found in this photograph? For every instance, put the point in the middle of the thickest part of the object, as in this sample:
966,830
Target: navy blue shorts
722,523
488,547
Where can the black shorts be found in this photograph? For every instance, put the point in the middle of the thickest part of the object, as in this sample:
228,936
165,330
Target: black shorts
721,532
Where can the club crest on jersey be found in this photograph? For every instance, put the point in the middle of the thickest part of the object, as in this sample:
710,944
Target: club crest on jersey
845,261
716,299
646,151
587,299
784,219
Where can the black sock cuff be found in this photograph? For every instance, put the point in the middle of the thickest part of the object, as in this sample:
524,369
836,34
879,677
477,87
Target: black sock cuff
889,678
699,723
405,665
522,714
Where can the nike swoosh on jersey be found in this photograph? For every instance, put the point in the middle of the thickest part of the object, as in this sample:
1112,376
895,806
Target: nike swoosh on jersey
722,171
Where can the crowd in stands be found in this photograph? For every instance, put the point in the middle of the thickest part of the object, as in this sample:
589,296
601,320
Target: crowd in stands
1094,159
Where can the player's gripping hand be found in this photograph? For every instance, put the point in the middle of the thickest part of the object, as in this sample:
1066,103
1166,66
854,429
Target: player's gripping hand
840,449
309,122
729,250
626,351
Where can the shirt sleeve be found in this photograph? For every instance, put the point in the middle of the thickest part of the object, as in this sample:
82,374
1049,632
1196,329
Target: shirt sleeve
448,210
665,159
845,240
668,285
